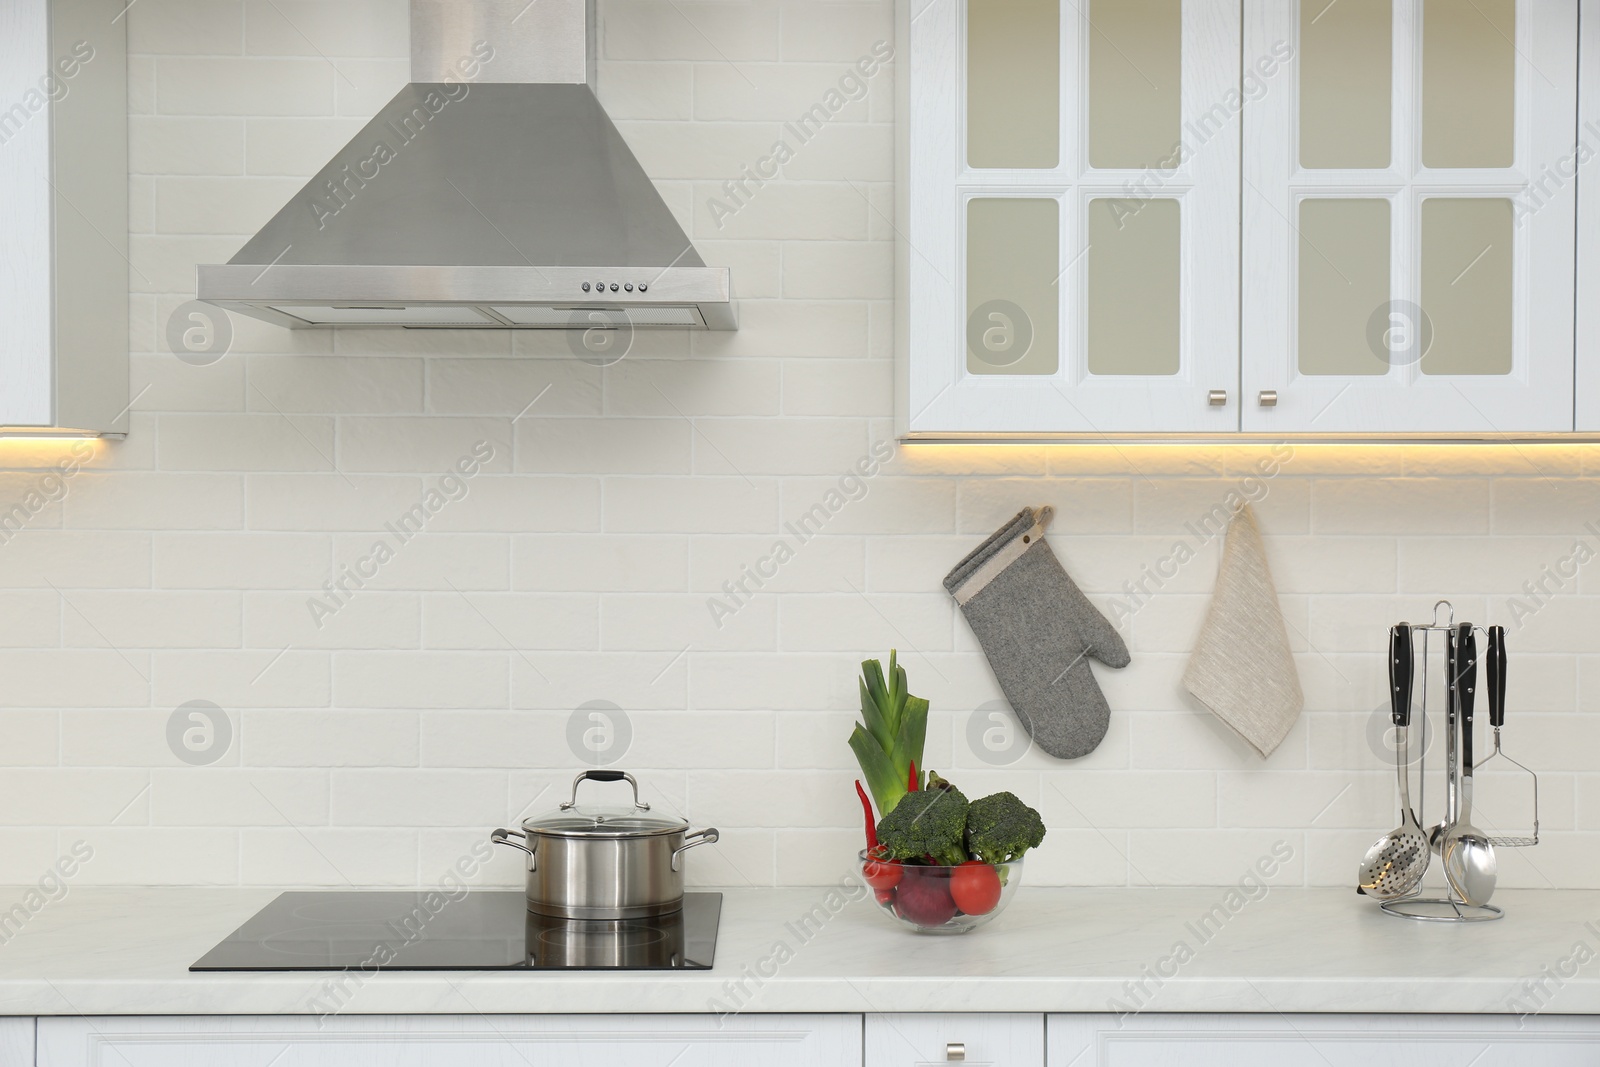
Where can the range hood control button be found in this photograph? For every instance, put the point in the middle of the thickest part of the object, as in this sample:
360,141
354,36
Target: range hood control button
629,287
643,287
586,287
613,287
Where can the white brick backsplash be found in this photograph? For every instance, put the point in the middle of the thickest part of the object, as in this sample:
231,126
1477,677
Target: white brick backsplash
837,387
219,205
214,27
204,797
154,619
160,381
330,502
246,678
761,92
604,446
783,328
601,563
348,28
237,442
218,86
150,855
834,31
335,385
1123,800
317,856
421,679
647,90
229,560
628,510
279,738
294,147
65,797
643,29
841,622
200,146
822,564
632,680
518,388
513,622
32,738
668,622
1408,505
689,388
362,618
154,501
362,86
76,677
1219,858
412,798
691,505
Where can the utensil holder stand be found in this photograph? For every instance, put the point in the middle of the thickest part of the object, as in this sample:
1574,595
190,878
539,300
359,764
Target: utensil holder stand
1449,908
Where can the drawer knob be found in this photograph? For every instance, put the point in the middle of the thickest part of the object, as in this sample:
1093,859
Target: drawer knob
955,1051
1269,398
1218,397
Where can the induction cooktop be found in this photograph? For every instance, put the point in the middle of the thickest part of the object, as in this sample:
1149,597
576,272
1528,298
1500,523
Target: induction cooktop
488,930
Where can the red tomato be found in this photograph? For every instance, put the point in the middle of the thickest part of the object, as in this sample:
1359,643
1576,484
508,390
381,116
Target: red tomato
884,896
882,874
975,887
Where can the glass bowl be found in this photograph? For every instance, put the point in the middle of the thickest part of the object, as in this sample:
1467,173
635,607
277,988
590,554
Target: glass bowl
925,898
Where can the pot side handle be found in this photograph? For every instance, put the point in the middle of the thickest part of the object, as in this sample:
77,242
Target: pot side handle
503,837
708,836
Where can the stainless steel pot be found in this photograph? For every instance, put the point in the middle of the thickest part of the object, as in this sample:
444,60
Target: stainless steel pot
604,863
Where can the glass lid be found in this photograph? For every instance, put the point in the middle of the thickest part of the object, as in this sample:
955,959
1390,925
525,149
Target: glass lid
622,820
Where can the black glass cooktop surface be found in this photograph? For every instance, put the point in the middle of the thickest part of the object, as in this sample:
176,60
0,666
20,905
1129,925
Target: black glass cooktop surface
479,931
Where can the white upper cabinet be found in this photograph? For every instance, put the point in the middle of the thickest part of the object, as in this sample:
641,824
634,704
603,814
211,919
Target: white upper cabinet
1355,217
1068,215
1585,159
1408,259
64,236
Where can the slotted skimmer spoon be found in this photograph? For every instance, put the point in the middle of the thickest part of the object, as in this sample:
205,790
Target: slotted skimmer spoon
1394,865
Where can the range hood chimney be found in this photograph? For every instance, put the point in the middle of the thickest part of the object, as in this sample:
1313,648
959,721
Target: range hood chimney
492,191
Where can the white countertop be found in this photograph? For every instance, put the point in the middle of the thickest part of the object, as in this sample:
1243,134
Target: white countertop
126,952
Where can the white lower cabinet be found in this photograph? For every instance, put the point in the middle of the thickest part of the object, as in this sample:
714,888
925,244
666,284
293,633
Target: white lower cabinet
976,1040
452,1041
16,1043
1323,1040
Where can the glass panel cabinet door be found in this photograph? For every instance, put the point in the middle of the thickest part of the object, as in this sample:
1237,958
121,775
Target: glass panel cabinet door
1409,212
1069,216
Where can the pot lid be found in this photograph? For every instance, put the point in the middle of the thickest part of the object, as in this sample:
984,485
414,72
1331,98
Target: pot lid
601,820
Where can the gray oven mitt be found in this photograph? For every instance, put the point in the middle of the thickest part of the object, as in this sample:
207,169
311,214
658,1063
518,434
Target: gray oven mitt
1039,632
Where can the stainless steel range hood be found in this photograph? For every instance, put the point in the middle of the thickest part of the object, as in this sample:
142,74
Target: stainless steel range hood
493,191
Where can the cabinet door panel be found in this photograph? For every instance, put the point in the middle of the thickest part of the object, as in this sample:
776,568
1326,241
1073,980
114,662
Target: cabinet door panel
1128,294
16,1043
450,1040
925,1040
1467,327
1154,1040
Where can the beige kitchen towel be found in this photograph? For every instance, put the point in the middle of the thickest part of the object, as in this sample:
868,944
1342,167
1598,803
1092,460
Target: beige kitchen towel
1242,669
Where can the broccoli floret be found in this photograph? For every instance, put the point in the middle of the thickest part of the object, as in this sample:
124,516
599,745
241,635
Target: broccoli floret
1000,828
929,822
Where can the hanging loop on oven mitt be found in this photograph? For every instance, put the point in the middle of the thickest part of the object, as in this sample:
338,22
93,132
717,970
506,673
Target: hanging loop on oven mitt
1039,632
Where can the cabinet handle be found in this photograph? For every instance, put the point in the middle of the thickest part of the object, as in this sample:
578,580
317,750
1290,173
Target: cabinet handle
1218,397
955,1051
1269,398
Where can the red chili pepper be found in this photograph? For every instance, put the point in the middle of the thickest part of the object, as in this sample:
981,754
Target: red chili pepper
872,826
912,787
